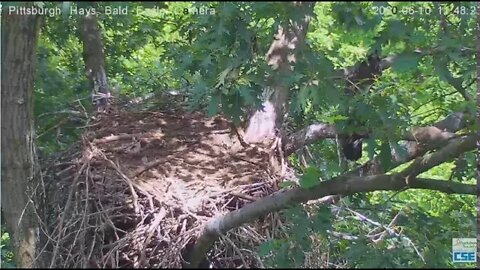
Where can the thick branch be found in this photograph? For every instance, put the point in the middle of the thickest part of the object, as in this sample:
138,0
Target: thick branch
438,133
364,70
450,151
341,185
451,123
449,187
309,135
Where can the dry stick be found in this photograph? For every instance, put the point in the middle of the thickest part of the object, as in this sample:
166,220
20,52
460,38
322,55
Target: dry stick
42,227
69,202
252,234
246,160
383,233
93,241
147,167
65,170
236,249
244,196
127,180
387,229
61,122
77,232
84,216
81,228
89,126
113,247
156,222
65,163
108,219
159,217
113,138
343,184
158,161
282,156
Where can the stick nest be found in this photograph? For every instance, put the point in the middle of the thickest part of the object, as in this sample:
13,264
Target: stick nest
138,188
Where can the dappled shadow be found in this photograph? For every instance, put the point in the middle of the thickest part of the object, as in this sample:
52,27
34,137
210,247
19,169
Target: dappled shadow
155,177
178,148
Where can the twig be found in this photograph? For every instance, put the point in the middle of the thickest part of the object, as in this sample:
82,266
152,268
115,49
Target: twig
389,230
236,249
244,196
87,157
113,138
156,222
127,180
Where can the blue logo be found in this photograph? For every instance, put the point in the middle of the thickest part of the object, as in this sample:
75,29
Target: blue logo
464,257
464,250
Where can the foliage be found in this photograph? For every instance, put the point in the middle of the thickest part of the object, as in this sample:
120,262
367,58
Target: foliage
219,62
6,251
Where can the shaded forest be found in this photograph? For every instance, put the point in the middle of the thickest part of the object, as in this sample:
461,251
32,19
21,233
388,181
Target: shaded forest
238,134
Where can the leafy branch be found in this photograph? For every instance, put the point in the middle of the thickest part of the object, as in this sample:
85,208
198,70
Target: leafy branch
345,185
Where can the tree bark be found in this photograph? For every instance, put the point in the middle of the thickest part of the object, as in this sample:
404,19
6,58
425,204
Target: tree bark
19,42
344,184
94,58
263,125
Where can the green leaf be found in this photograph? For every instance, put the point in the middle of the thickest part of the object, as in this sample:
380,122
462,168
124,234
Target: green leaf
206,62
264,249
335,118
222,76
247,95
385,155
304,95
187,60
406,62
396,30
286,184
371,146
448,42
442,70
310,178
213,106
322,220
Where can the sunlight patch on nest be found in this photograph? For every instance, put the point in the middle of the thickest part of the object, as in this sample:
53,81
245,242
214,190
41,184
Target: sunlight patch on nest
145,207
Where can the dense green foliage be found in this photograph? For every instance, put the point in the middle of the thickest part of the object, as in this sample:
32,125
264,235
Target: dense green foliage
219,61
6,248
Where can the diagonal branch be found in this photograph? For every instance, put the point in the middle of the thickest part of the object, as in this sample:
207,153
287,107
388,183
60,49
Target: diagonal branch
309,135
438,133
450,151
444,130
444,186
344,185
415,149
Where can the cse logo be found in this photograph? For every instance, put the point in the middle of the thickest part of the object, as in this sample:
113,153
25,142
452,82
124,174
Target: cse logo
464,257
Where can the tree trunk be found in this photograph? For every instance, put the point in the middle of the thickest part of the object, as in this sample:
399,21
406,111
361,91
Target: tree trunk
19,42
263,125
94,58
